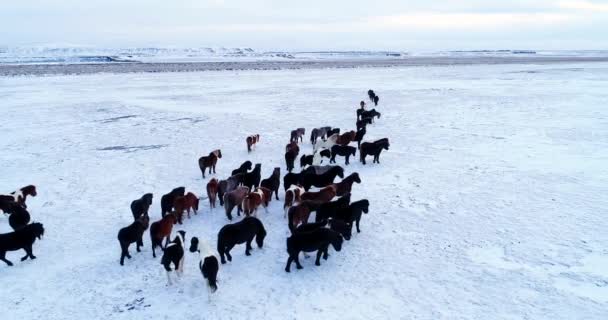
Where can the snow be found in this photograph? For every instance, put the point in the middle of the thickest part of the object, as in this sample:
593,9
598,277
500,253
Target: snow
490,202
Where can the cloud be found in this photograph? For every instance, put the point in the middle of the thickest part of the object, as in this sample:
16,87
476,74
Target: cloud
584,6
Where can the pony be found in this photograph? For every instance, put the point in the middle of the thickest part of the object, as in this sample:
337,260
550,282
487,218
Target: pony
252,179
20,195
346,185
314,158
362,124
187,202
246,166
297,134
167,201
141,206
327,144
7,205
174,253
376,99
290,158
345,151
318,169
374,149
292,195
209,161
273,183
300,213
241,232
353,212
235,199
338,226
328,209
254,200
212,189
292,146
291,179
324,195
317,133
132,233
20,217
359,136
230,184
161,229
23,238
333,131
251,141
309,179
371,94
316,240
370,114
208,263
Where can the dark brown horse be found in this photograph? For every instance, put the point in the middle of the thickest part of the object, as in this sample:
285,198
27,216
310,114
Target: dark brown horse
292,147
187,202
346,138
212,187
161,229
251,141
346,185
300,213
273,182
235,199
254,200
292,195
209,161
297,135
324,195
374,149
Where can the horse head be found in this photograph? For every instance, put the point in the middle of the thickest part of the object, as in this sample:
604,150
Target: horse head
259,238
336,242
148,198
340,171
194,245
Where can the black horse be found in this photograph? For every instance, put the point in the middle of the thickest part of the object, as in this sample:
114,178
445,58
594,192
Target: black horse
23,238
371,94
20,217
290,159
376,99
308,159
374,149
309,180
336,225
246,166
316,240
291,179
362,124
344,151
353,212
370,114
141,206
241,232
167,200
273,182
252,179
329,209
132,233
359,137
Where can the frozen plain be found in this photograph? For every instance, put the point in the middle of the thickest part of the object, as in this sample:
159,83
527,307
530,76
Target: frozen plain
490,204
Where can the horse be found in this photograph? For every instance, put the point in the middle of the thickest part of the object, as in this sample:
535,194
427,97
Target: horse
252,179
241,232
235,199
290,158
376,99
328,209
23,238
370,114
345,151
333,131
273,183
141,206
132,233
20,195
316,240
292,146
161,229
297,134
209,161
7,205
187,202
309,179
207,263
167,201
19,218
373,148
300,213
338,226
317,133
291,179
371,94
212,188
255,199
230,184
359,136
327,144
246,166
292,195
174,253
318,169
353,212
314,158
324,195
251,141
346,185
362,124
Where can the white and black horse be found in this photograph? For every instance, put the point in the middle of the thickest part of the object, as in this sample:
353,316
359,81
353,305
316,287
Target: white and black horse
208,263
174,253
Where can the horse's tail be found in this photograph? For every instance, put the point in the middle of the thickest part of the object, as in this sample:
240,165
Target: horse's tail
220,244
290,215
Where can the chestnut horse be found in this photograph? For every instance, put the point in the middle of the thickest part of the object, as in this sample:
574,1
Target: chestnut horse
235,199
324,195
292,195
212,187
161,229
187,202
300,213
292,146
20,195
209,161
346,138
251,141
346,185
297,134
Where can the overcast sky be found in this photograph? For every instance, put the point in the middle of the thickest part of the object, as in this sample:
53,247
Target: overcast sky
309,24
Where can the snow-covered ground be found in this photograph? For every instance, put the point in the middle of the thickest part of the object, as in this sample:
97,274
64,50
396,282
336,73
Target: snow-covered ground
490,204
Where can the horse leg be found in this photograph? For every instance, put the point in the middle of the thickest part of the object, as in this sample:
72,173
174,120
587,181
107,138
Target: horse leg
140,243
318,261
297,259
166,242
289,261
203,171
348,156
227,252
248,247
325,252
28,253
3,258
357,224
214,168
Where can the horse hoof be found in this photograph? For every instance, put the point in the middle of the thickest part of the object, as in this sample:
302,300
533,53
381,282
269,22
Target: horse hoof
24,258
317,263
287,270
10,264
299,267
247,253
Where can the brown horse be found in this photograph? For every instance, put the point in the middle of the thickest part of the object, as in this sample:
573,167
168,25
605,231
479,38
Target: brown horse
292,195
324,195
346,138
300,213
235,199
20,195
346,185
209,161
297,134
212,187
292,147
251,141
161,229
187,202
260,197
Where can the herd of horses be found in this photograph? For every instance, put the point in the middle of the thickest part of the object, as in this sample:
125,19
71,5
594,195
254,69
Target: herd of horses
246,191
